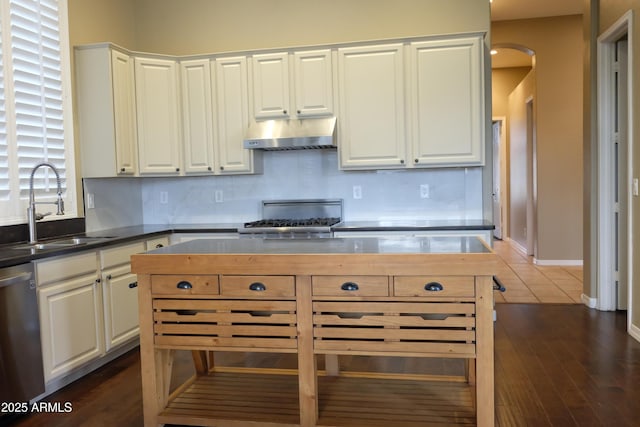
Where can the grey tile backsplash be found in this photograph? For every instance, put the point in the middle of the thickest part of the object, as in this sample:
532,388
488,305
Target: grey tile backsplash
454,193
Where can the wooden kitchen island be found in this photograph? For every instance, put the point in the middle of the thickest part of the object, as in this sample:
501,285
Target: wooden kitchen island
406,297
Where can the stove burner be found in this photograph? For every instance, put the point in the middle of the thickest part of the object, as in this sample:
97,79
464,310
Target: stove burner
307,222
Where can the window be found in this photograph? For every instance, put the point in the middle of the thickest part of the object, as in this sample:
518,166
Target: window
35,107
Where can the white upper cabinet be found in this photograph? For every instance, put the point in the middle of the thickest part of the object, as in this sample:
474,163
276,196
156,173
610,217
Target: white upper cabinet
271,97
106,111
307,84
447,102
158,116
197,108
313,75
372,107
232,113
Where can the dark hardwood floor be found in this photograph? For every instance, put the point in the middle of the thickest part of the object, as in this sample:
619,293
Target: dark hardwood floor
556,365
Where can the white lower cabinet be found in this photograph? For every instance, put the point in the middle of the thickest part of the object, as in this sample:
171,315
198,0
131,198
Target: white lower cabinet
120,293
88,306
70,303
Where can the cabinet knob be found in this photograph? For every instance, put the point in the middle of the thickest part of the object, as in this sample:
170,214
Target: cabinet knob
177,169
221,168
299,112
209,168
159,245
98,280
184,285
349,286
433,287
108,277
284,111
257,286
402,162
133,285
416,161
122,170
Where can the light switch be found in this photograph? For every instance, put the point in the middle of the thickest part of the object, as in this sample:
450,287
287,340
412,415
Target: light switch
635,186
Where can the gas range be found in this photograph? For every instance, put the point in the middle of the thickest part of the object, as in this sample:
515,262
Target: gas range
297,219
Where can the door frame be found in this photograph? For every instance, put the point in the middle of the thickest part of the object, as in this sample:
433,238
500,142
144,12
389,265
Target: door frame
504,182
606,292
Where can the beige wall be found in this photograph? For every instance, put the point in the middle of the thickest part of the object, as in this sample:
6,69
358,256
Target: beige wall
558,46
503,82
610,12
518,154
181,27
94,21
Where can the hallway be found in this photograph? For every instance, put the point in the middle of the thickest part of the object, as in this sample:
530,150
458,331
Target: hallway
527,282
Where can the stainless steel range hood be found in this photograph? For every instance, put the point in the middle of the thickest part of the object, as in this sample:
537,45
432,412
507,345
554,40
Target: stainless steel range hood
292,134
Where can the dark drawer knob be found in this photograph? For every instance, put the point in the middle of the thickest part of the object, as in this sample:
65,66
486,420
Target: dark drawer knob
433,287
133,285
257,286
184,285
349,286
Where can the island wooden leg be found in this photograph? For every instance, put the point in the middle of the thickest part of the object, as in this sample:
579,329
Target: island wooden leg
150,360
307,367
485,392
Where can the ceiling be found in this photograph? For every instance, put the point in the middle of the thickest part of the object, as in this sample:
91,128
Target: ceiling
502,10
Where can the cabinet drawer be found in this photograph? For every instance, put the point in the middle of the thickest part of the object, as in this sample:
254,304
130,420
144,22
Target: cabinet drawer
185,285
257,286
433,286
119,255
350,286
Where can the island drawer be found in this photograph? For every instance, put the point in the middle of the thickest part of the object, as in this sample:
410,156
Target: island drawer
257,286
434,286
350,286
187,285
389,327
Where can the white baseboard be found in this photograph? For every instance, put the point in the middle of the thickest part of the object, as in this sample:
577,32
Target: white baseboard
561,262
634,331
588,301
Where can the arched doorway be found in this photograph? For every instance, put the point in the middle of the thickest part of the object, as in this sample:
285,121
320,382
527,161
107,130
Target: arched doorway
513,103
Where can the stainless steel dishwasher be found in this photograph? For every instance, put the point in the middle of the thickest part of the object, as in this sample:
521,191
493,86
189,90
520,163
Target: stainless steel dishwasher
21,371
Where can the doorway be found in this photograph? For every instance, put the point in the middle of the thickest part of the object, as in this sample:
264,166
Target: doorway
614,156
499,177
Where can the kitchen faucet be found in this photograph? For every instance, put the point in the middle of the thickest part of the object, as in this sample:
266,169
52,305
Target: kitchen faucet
32,216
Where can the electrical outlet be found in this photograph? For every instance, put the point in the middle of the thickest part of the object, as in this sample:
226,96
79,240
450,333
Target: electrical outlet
91,201
164,197
357,192
424,191
635,186
218,196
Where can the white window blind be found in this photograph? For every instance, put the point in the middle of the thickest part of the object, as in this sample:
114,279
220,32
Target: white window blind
33,113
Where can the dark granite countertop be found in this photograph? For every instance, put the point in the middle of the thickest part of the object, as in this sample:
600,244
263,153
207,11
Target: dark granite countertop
10,255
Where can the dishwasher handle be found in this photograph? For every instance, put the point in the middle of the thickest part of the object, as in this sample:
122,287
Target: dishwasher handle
16,279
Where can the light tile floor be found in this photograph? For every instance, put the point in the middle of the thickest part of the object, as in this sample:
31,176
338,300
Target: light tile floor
526,282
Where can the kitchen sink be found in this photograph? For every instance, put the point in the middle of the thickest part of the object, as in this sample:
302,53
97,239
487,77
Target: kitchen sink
61,243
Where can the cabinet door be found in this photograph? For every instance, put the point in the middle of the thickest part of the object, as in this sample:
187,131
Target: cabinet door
120,290
271,85
70,324
447,102
158,116
198,115
313,83
124,113
372,112
232,111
